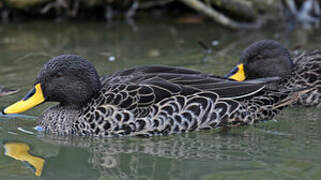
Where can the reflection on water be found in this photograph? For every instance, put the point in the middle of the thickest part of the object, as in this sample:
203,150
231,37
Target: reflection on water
288,148
5,92
19,151
277,149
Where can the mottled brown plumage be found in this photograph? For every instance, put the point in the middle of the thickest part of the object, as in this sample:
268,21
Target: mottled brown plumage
306,73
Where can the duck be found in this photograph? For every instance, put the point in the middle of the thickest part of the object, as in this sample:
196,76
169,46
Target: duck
268,58
145,100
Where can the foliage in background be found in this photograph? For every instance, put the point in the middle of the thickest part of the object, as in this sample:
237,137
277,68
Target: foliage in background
230,13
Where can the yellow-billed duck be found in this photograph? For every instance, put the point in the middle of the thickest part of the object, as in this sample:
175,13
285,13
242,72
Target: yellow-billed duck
268,58
146,100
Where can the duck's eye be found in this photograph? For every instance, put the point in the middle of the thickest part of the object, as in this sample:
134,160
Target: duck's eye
58,75
259,57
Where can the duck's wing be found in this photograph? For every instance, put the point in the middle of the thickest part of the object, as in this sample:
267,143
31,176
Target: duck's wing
168,84
157,69
132,73
141,92
145,86
187,84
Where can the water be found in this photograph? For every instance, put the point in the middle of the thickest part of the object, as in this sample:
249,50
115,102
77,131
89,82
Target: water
285,148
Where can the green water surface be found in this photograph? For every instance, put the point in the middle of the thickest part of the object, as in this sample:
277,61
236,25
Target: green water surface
288,147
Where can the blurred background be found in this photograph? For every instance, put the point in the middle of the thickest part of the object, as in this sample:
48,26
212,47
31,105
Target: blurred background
230,13
205,35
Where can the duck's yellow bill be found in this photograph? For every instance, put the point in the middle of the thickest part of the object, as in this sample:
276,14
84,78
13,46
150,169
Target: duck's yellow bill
19,151
32,99
237,73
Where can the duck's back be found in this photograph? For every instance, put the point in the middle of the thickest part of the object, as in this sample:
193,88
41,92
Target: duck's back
151,101
180,81
306,73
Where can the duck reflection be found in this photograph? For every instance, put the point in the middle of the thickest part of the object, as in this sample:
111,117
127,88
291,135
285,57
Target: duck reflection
166,157
5,91
20,151
69,163
146,158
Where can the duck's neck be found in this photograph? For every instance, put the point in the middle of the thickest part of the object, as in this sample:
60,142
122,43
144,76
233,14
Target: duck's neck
59,119
69,106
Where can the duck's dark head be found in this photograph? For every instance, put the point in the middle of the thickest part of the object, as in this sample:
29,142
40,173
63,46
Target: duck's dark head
68,79
266,58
